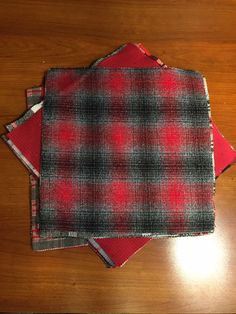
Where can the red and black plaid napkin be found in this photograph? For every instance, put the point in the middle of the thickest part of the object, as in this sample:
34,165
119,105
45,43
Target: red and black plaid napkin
115,251
125,153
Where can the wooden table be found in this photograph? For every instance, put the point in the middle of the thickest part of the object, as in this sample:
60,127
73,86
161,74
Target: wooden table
171,275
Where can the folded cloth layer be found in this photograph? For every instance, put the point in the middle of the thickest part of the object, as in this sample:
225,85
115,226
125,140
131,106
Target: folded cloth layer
27,149
125,152
120,249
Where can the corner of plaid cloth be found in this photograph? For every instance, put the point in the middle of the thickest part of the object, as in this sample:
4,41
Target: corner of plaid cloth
140,46
29,166
45,244
13,125
94,245
99,60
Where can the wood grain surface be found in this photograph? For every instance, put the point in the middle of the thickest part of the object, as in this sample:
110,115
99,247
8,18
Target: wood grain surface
170,275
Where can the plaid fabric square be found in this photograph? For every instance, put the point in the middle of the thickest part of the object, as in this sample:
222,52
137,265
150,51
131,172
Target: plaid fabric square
153,191
113,251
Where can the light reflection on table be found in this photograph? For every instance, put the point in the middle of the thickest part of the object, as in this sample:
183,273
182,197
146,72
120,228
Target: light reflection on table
200,257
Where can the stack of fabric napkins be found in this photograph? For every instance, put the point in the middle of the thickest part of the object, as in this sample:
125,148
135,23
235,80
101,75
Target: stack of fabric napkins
119,153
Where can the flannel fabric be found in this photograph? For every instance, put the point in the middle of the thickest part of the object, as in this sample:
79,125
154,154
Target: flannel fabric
125,152
120,249
29,153
224,154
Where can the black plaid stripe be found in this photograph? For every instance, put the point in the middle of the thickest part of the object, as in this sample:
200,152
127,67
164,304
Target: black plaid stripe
102,108
92,108
143,109
95,219
201,219
85,165
94,164
193,110
195,166
146,165
149,219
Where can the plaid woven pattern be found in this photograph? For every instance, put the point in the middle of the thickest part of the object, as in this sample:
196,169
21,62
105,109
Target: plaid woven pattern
29,113
44,244
29,157
123,248
34,103
117,248
120,249
34,98
125,152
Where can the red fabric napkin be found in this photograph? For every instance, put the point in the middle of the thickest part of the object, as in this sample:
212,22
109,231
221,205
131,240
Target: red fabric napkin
117,251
